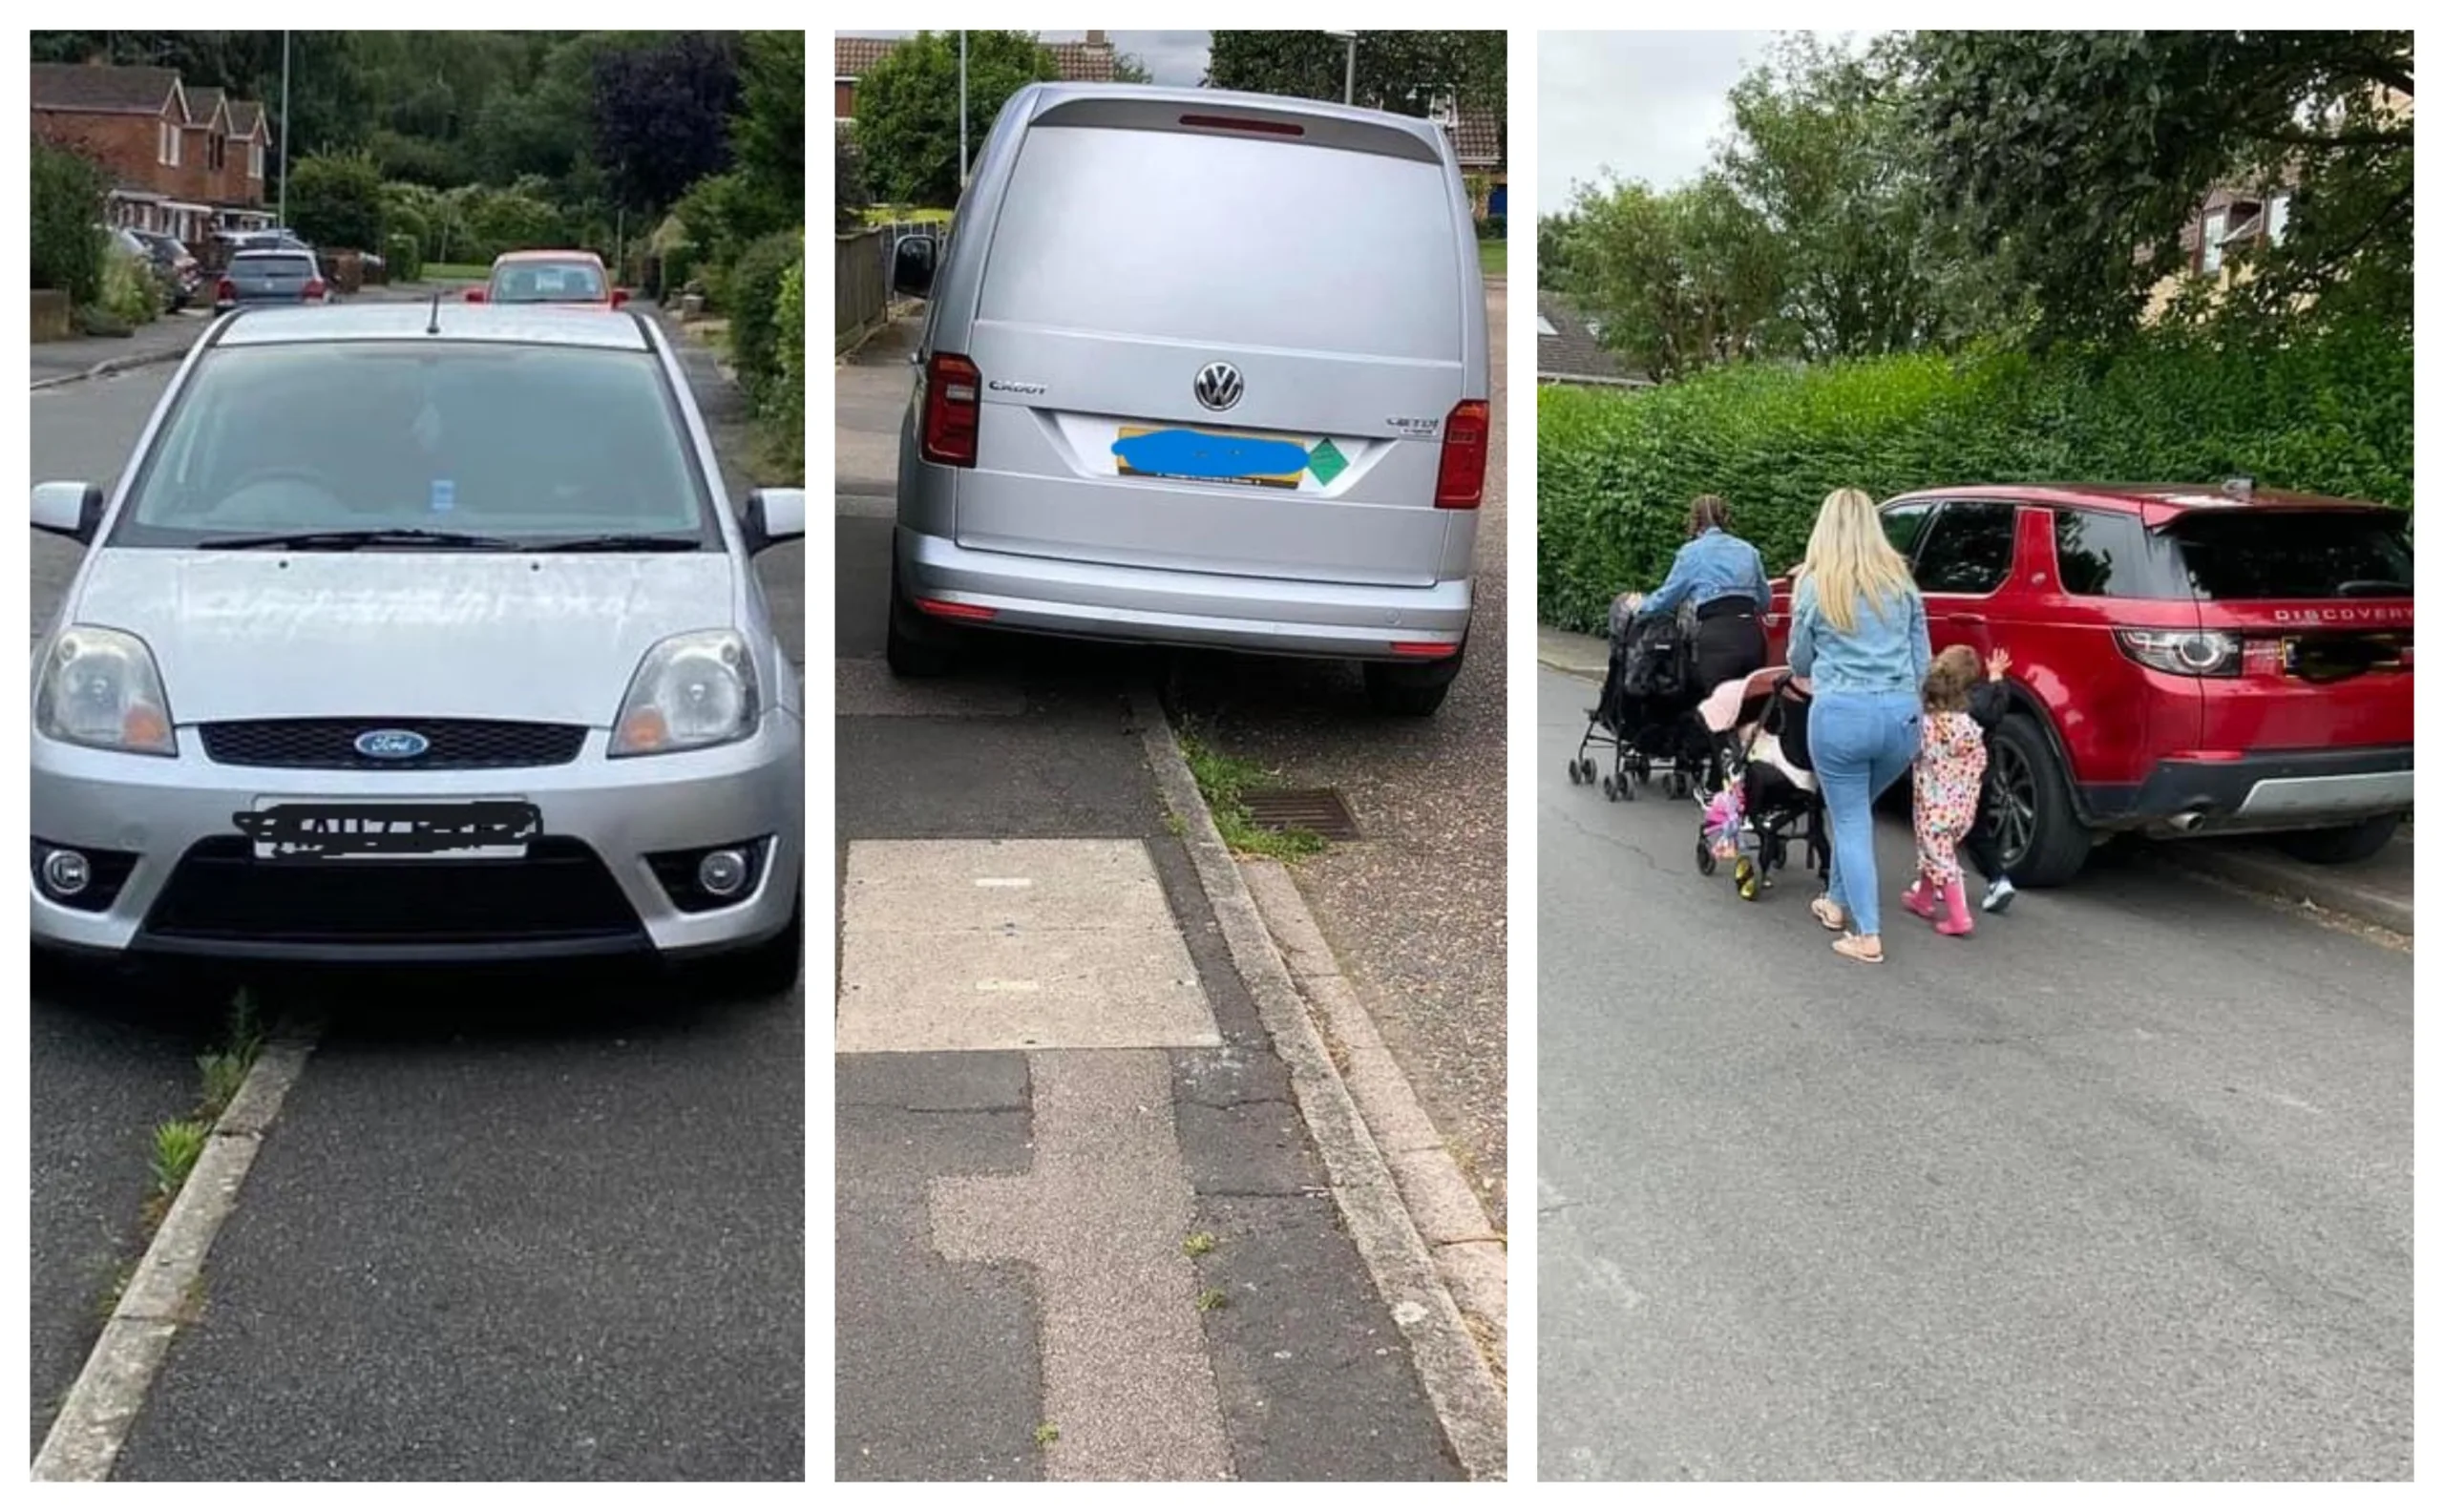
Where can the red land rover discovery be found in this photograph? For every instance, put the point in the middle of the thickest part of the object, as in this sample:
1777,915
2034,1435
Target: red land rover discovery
2184,660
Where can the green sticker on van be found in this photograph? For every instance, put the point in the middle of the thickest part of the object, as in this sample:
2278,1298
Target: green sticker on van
1326,462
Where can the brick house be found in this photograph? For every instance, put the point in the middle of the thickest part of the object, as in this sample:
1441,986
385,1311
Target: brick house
2238,217
1476,135
180,160
852,58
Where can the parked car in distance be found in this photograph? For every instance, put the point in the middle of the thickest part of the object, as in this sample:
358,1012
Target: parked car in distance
271,278
549,278
177,267
1200,368
2185,659
415,635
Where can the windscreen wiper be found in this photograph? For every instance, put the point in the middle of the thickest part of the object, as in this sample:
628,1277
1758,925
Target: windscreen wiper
623,543
357,540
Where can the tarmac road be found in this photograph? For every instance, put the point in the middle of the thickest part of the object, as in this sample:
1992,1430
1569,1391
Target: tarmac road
2120,1188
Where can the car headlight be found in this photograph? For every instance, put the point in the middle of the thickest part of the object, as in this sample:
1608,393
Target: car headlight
691,691
102,688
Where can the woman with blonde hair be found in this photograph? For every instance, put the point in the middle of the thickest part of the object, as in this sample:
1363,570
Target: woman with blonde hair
1859,635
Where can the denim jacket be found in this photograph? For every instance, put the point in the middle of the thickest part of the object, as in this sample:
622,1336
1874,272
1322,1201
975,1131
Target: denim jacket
1715,565
1888,652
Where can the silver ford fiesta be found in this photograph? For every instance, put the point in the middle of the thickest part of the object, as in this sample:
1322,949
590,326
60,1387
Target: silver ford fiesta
420,634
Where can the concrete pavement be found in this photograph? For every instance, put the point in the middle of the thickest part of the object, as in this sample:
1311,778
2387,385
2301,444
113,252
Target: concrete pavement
2119,1187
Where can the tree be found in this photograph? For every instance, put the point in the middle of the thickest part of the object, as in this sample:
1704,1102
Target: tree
1403,72
2076,157
1674,280
908,108
768,137
1131,68
335,201
1820,149
67,194
662,114
850,194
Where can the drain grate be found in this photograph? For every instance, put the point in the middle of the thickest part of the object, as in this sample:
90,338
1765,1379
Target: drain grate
1320,811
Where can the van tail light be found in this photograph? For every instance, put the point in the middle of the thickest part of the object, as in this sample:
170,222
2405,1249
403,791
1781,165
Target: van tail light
226,289
953,393
313,289
1425,650
2184,653
1461,484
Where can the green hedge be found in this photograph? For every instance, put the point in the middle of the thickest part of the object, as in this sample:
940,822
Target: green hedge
784,401
406,255
754,294
1616,471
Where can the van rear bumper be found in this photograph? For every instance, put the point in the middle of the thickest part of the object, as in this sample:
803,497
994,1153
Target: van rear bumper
1274,616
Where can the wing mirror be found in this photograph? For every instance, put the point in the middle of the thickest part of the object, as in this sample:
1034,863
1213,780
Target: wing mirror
774,515
912,266
74,510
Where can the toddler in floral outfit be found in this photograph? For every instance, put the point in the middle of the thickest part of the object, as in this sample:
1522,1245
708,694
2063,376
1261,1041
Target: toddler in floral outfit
1945,780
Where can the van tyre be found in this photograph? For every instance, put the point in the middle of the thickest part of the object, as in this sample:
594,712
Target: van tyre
1409,689
912,648
2042,840
2343,846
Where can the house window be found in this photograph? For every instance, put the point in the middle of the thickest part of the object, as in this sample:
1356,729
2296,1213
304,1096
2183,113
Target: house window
2278,215
217,152
1545,327
169,145
253,159
2210,251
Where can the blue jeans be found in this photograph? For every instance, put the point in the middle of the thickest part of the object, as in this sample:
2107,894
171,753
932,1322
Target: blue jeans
1862,744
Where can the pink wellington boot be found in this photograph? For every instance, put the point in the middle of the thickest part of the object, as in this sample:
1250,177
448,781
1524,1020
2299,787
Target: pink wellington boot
1920,899
1954,903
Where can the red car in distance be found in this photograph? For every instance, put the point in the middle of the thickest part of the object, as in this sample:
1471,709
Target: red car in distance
549,278
2185,659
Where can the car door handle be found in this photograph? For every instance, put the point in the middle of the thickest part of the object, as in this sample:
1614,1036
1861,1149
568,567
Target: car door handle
1969,619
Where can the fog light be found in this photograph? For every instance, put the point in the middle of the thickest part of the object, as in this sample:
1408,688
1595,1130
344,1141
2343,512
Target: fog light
722,872
65,874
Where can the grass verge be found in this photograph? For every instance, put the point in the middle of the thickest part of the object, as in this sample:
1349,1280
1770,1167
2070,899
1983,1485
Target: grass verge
464,272
1225,780
1494,259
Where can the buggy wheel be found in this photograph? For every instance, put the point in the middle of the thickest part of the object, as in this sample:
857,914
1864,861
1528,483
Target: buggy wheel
1745,876
1571,767
1608,784
1643,769
1586,770
1705,859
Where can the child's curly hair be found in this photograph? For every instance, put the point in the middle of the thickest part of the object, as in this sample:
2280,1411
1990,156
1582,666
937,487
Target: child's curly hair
1953,672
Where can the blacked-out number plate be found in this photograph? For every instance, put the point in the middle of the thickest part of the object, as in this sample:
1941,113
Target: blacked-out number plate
292,831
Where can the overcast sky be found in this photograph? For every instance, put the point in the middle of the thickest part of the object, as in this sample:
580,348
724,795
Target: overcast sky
1644,104
1174,57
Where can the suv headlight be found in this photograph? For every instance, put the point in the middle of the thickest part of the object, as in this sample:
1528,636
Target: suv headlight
691,691
102,688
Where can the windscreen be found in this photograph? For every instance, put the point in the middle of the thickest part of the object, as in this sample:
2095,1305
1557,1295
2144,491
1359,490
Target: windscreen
2304,554
1197,238
534,443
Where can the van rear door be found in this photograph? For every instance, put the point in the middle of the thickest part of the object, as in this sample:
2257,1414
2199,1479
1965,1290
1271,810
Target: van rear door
1223,338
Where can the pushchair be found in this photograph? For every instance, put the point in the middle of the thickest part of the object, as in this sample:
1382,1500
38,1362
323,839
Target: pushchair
1764,797
1645,714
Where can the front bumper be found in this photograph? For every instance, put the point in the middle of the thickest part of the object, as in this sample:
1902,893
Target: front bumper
588,888
2261,793
1274,616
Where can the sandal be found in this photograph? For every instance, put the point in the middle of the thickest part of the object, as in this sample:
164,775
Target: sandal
1828,913
1853,947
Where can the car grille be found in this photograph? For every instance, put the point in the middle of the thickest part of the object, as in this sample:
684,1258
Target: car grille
330,743
560,893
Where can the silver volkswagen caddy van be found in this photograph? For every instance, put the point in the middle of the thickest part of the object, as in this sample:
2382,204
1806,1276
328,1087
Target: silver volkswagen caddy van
1199,369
